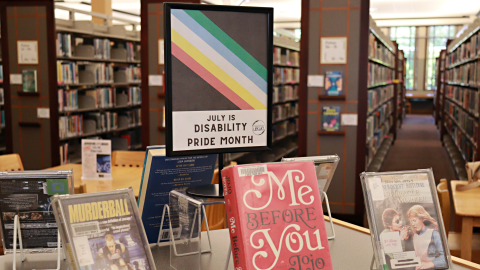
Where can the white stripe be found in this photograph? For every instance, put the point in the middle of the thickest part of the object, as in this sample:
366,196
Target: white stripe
219,60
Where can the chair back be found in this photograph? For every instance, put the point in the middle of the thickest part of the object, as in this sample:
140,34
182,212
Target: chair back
444,199
11,162
128,158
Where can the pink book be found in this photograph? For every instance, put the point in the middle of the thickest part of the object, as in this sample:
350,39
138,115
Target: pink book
275,217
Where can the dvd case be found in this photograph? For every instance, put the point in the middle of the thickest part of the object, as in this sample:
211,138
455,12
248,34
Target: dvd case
103,230
405,220
28,195
325,167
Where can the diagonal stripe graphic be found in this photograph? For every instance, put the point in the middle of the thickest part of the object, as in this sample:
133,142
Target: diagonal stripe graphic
213,42
209,78
228,42
218,59
214,69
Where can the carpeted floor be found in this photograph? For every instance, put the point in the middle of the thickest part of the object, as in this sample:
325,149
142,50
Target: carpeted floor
418,146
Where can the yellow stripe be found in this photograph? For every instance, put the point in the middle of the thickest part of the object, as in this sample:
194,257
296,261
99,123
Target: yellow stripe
216,70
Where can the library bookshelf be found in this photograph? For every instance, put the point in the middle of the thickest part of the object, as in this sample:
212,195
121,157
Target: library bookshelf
87,81
459,82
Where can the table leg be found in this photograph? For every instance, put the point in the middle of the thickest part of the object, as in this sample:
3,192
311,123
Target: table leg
467,234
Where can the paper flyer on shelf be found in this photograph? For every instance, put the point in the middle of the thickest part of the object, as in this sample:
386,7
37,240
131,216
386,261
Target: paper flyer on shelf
97,159
405,220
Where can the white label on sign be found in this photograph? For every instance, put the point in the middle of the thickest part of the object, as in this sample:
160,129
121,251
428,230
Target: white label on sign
43,113
334,50
155,80
391,242
199,130
252,170
315,80
161,52
376,188
349,119
27,52
405,255
15,78
84,253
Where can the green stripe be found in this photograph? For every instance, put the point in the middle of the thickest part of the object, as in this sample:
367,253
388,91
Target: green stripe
228,42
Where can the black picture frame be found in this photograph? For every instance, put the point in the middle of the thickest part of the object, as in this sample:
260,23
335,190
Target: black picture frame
168,76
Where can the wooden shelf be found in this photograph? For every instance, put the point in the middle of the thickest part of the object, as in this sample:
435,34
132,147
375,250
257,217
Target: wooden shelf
380,84
162,95
93,85
100,109
332,133
380,62
29,124
88,59
327,97
284,65
28,94
285,101
100,133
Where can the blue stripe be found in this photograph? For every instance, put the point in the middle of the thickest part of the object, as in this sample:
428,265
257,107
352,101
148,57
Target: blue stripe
220,48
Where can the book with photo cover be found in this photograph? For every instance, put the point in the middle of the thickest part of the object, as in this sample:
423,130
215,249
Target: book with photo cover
334,83
29,81
103,230
275,216
28,195
405,220
331,118
325,167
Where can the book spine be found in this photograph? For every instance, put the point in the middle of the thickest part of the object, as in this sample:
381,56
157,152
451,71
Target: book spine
233,218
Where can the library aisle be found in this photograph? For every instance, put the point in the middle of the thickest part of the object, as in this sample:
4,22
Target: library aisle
418,146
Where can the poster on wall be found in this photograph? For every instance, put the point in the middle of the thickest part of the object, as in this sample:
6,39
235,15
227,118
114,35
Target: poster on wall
218,67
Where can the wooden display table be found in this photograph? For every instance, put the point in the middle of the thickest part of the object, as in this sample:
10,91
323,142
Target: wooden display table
467,206
122,177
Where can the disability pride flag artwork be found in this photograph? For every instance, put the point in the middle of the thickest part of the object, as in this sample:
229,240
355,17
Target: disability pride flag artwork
220,62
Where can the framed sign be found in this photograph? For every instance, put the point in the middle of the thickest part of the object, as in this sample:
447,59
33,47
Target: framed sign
27,51
218,68
333,50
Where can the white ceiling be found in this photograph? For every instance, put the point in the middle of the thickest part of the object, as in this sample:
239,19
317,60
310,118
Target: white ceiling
288,11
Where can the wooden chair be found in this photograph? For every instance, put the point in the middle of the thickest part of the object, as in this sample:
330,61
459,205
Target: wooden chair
454,238
216,214
128,158
11,162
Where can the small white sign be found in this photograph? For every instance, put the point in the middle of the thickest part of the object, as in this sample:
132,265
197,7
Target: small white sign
161,52
43,113
155,80
349,119
333,50
376,188
391,242
15,78
97,159
315,80
27,51
84,253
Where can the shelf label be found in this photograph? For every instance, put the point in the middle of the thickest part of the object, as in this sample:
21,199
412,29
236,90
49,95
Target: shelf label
15,78
155,80
333,50
349,119
315,81
27,51
43,113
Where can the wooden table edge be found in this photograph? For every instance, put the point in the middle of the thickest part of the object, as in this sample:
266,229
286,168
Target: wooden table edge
455,260
453,185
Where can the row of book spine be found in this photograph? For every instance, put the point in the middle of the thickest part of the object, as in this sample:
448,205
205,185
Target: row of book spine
466,74
67,72
283,111
465,121
284,128
68,100
134,95
379,51
2,118
64,44
102,72
70,126
378,74
464,143
134,73
376,120
284,93
130,51
379,95
134,117
468,50
102,48
286,75
290,57
468,98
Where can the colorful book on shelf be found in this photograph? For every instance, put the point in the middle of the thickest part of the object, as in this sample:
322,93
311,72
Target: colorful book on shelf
29,81
331,118
161,175
334,83
275,216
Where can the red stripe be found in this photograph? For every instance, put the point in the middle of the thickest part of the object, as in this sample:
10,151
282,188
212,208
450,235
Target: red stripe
209,78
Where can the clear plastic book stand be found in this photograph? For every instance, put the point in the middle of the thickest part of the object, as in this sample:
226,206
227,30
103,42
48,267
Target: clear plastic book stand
185,215
17,234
